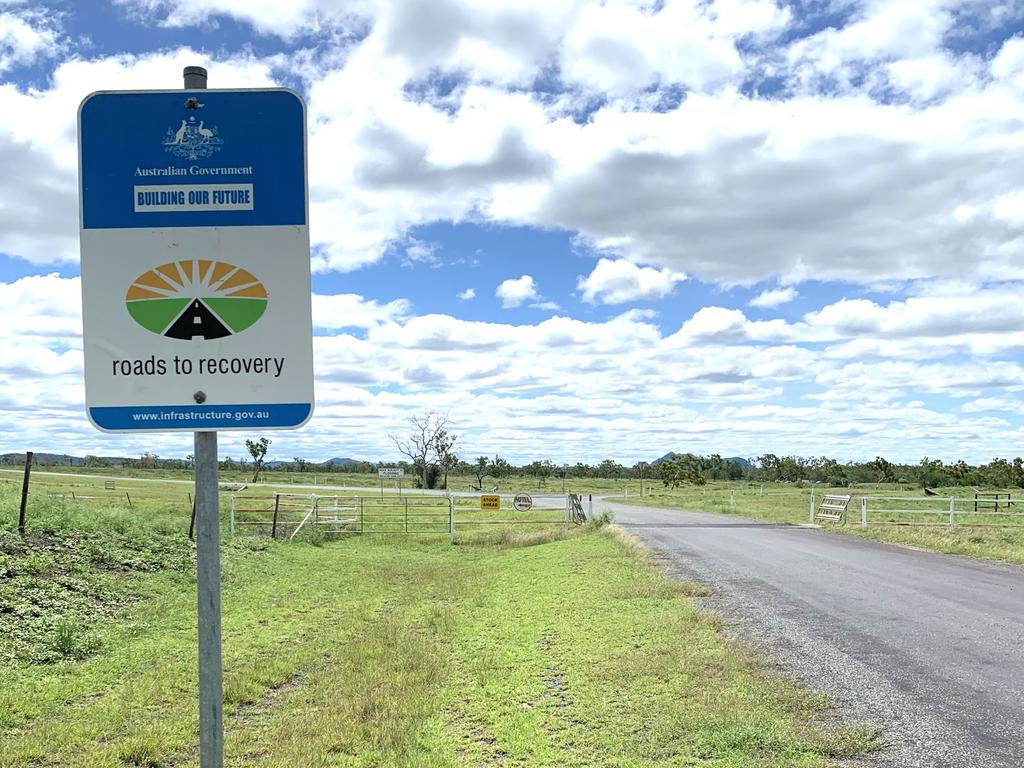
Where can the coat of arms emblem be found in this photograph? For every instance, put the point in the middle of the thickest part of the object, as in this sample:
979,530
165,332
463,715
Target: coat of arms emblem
192,141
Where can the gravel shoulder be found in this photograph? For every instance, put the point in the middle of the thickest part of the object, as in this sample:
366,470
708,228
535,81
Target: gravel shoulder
925,645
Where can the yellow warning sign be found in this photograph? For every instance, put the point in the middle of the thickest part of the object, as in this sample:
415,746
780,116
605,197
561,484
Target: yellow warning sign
490,502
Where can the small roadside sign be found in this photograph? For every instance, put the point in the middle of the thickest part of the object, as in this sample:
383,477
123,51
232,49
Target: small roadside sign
390,473
490,501
522,502
196,301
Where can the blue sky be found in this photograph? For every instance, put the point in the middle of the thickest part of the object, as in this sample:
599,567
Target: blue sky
582,230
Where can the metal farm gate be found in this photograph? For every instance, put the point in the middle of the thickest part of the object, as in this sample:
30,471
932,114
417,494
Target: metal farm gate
285,515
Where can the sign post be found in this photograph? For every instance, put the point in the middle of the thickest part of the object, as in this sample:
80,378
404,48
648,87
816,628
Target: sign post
392,473
196,299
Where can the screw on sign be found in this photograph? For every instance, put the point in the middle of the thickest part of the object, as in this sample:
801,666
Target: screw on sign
522,502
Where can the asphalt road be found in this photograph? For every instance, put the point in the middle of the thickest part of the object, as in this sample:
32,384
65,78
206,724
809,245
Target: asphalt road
928,646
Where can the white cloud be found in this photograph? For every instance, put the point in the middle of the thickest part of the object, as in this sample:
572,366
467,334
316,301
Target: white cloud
774,297
347,310
27,35
468,295
616,281
516,292
723,186
721,379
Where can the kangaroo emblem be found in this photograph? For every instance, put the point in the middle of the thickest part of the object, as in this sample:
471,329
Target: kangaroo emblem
181,133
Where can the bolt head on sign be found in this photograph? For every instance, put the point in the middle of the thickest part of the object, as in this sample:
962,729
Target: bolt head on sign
522,502
195,260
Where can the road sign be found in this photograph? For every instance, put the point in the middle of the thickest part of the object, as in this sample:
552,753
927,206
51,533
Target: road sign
195,260
391,473
522,502
488,501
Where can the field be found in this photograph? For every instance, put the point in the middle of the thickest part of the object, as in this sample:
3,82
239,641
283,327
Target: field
531,646
990,536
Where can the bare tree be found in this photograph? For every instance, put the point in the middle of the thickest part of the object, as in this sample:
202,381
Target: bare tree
258,450
428,444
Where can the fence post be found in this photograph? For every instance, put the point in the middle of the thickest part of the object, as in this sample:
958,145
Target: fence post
952,512
273,527
863,511
232,515
406,515
451,519
810,519
130,506
24,494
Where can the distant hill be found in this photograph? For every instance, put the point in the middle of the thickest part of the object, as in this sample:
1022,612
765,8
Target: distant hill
60,459
672,455
339,462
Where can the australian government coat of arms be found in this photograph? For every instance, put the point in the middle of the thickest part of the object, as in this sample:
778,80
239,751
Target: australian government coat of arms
192,140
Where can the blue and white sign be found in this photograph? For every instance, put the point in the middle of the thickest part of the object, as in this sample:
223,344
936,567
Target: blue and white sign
195,260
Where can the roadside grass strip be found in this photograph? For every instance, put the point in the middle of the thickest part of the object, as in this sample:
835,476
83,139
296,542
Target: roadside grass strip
514,648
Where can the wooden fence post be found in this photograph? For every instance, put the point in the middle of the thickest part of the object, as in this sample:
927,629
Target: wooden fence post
24,493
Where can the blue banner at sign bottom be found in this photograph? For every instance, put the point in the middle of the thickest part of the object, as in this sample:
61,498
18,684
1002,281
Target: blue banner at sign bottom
200,418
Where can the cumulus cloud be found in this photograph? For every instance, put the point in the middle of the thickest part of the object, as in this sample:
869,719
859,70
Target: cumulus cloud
734,141
468,295
27,35
889,174
616,281
773,297
348,310
720,377
516,292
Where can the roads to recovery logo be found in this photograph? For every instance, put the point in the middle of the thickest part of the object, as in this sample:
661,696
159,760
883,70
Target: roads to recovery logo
196,299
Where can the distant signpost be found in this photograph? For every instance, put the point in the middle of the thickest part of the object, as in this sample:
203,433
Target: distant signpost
390,473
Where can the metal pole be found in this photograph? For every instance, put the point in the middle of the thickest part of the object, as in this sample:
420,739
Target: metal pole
24,493
195,78
952,512
211,701
811,518
451,519
211,691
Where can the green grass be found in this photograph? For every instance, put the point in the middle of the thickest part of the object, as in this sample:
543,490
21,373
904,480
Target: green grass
530,647
974,535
